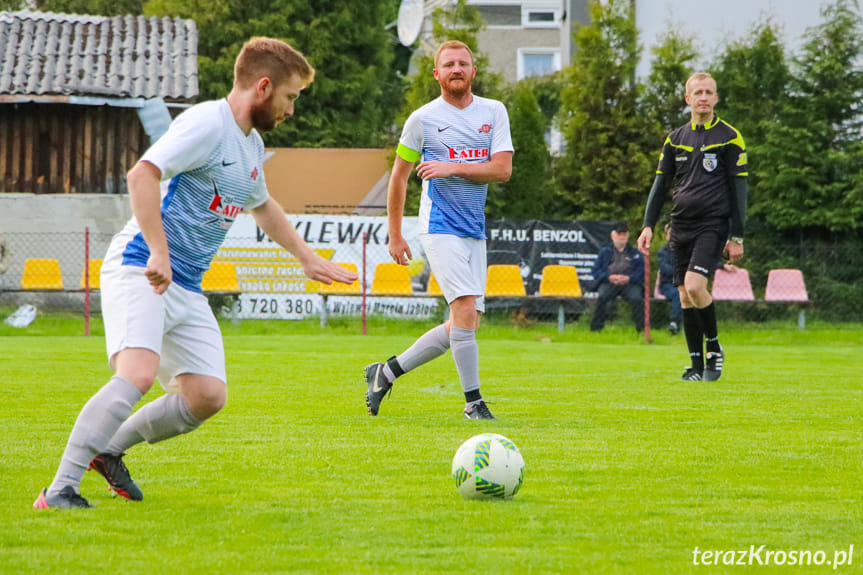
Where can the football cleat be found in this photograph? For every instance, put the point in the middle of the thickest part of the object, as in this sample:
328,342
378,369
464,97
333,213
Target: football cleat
713,364
378,386
691,374
478,410
112,468
67,498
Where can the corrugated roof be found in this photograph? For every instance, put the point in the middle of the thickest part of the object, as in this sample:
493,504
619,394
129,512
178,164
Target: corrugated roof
42,53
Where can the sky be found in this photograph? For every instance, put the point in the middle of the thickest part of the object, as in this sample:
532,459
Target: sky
716,20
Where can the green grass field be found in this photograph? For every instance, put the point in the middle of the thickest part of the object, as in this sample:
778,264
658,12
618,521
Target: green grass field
628,469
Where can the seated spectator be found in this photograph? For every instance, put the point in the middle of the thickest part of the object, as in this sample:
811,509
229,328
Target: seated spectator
618,271
666,283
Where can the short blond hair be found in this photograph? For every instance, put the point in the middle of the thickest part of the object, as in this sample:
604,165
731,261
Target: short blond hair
452,45
698,76
271,58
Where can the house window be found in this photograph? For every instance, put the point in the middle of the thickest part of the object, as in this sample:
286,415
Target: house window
500,16
537,61
537,17
547,16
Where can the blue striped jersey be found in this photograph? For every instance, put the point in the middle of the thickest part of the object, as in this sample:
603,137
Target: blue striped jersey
440,131
210,172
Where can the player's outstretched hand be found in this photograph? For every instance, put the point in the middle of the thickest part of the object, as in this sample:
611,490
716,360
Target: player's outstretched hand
158,272
327,272
644,240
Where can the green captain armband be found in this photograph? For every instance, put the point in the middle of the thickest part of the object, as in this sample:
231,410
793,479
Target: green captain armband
407,154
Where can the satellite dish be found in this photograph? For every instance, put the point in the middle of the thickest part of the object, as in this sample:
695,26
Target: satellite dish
410,21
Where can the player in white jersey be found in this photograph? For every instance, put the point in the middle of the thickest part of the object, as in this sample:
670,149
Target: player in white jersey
157,320
463,143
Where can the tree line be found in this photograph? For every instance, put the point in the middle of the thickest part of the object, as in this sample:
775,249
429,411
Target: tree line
799,113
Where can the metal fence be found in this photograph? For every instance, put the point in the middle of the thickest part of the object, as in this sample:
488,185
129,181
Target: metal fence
253,278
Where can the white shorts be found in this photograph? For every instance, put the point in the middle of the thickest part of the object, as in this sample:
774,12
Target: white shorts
458,265
178,325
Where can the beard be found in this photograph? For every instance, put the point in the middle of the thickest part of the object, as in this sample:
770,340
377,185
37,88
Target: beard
262,116
459,89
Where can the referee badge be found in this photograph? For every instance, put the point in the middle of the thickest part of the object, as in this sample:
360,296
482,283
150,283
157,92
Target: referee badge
709,162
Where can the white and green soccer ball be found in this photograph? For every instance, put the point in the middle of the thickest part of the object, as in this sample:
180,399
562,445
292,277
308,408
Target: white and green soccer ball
488,466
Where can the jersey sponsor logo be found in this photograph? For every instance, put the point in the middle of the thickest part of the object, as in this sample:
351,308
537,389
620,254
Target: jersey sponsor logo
741,159
681,158
444,128
699,269
222,207
254,174
226,163
485,128
462,153
710,162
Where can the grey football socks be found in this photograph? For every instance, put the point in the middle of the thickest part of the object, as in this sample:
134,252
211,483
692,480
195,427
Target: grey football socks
430,345
97,422
161,419
465,352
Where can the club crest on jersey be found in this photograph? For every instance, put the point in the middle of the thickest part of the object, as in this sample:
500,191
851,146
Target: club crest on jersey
463,153
485,128
709,162
254,174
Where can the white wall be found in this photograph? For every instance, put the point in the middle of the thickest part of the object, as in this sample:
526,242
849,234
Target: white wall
63,213
52,226
714,22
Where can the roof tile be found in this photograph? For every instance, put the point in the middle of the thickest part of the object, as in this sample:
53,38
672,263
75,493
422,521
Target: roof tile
43,53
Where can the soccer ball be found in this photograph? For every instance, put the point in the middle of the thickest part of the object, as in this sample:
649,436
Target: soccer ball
488,466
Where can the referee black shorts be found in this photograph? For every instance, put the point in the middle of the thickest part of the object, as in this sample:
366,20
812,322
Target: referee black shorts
697,247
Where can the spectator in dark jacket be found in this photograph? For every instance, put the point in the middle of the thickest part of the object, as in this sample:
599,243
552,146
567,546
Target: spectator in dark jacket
666,283
618,271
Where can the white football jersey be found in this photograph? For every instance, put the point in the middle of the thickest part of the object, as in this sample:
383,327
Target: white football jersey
210,172
440,131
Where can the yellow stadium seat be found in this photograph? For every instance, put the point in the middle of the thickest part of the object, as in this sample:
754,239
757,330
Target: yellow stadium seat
504,281
433,287
95,269
41,274
391,279
559,281
221,277
338,287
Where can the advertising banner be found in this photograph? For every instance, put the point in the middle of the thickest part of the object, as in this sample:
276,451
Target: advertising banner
534,244
273,283
274,286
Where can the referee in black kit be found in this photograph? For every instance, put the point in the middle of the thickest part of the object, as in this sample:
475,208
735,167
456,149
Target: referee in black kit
704,164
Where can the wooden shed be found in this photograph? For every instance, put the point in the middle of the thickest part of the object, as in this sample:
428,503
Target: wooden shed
81,96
